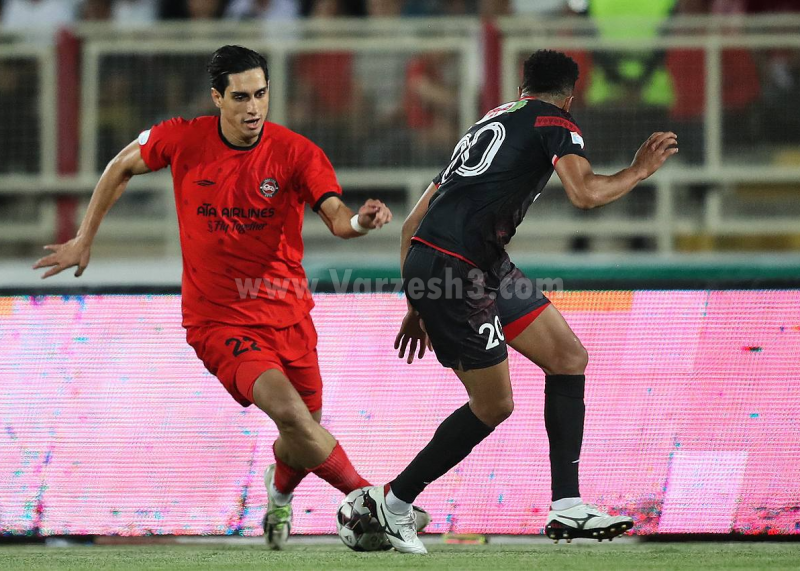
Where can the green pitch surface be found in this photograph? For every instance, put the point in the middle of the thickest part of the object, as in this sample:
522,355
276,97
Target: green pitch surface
536,556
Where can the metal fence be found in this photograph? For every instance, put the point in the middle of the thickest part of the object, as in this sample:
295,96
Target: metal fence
388,99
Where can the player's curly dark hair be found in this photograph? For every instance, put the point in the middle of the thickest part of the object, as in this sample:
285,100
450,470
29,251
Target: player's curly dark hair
233,59
548,71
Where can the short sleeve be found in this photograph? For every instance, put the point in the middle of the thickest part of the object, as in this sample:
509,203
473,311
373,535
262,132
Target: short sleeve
561,137
315,177
159,143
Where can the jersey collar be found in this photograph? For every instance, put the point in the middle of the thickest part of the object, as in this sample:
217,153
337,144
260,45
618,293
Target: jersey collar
237,147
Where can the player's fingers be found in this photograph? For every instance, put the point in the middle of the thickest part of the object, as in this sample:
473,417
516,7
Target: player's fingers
79,271
659,141
403,346
52,271
53,247
651,139
412,351
422,344
397,340
666,143
45,262
381,218
654,143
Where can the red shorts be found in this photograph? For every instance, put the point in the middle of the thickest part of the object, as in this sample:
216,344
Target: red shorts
238,355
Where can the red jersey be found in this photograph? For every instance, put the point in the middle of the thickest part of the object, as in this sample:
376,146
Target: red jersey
240,215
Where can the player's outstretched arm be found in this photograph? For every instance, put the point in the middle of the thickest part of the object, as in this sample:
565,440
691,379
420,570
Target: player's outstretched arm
413,221
585,189
339,218
109,188
412,335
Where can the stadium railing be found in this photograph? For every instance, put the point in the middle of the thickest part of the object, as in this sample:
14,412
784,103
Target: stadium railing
725,186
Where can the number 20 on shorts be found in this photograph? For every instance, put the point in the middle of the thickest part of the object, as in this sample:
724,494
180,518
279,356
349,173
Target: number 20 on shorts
495,331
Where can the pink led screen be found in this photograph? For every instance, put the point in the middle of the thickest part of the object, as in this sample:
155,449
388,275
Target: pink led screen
110,425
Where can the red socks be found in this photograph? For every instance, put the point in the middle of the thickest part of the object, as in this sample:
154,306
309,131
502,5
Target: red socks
339,472
286,477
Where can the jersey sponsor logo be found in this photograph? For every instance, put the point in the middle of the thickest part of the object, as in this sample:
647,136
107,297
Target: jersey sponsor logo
268,188
144,136
208,209
557,122
576,138
504,108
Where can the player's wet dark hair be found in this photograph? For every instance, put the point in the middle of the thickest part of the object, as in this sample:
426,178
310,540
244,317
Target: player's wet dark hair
548,71
233,59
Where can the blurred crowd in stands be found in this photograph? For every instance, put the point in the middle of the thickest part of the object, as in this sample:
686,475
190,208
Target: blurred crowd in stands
374,109
23,14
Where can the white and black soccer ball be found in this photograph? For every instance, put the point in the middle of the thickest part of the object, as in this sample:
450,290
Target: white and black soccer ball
357,527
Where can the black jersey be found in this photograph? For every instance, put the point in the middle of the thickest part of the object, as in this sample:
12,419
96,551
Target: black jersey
497,170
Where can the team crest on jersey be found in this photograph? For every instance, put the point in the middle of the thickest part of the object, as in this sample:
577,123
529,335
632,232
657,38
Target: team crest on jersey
269,187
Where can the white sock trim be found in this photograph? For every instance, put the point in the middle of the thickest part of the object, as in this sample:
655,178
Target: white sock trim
396,505
566,503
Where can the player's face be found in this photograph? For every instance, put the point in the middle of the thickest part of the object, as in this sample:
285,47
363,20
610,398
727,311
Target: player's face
243,108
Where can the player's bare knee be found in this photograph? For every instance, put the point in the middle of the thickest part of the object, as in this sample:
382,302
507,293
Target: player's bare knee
493,413
571,359
578,360
293,421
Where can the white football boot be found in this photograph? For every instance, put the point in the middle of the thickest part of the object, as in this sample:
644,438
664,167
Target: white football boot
278,519
421,518
401,530
585,520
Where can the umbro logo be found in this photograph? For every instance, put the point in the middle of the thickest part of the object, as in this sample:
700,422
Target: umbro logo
205,182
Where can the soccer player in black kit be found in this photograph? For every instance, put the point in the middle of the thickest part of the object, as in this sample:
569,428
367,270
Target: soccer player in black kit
458,232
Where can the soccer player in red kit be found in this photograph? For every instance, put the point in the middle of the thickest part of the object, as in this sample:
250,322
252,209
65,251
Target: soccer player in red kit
241,187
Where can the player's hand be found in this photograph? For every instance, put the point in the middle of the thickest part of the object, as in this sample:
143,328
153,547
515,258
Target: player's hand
654,151
412,334
76,252
374,214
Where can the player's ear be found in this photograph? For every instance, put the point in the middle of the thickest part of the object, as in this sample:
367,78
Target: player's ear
216,96
568,103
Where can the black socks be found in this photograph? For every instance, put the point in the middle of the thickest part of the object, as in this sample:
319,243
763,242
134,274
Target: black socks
455,438
563,417
460,432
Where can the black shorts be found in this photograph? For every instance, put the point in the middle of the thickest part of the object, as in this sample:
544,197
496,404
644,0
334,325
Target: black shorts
463,311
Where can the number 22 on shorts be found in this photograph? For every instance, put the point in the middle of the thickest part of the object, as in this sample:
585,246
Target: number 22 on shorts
495,331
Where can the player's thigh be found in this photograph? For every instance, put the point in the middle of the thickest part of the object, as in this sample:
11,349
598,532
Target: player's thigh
550,343
304,374
519,302
236,356
457,307
490,394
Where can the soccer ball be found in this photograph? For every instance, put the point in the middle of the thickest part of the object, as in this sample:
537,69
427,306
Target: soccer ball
356,526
